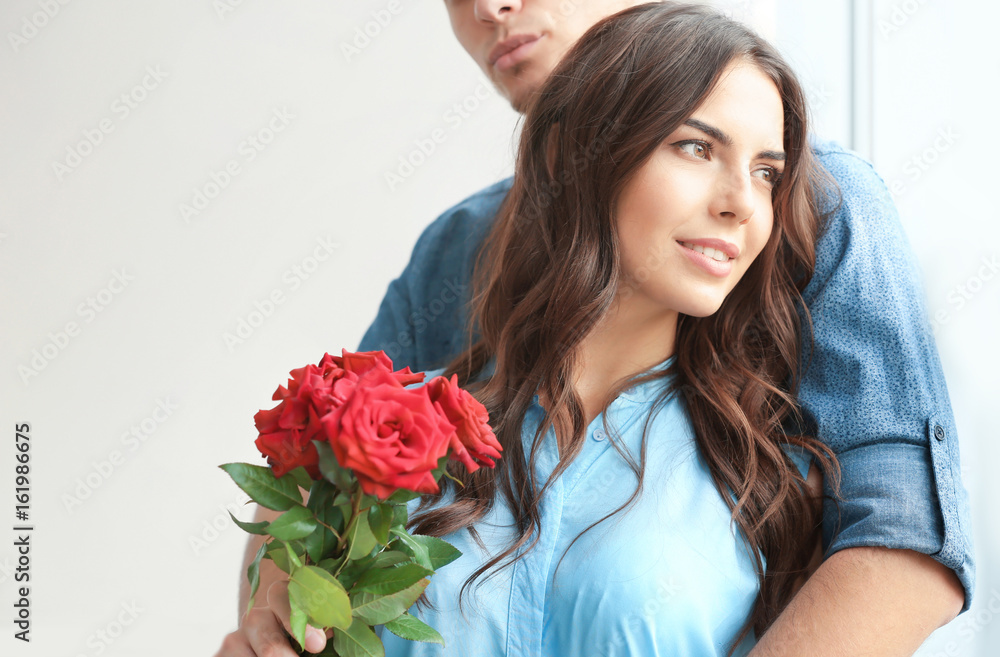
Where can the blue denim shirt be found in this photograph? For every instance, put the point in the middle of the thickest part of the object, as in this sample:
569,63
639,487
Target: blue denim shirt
871,380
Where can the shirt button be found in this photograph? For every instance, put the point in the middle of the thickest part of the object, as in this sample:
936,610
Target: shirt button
600,435
939,432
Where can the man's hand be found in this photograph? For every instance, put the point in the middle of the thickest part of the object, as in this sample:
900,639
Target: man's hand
263,630
866,601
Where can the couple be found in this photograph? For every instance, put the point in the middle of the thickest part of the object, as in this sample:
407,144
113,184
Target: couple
686,319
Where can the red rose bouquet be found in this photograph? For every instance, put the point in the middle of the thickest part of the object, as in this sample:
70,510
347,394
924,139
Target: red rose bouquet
363,444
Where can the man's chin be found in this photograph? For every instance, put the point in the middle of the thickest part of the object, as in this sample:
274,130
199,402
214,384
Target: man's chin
517,86
518,94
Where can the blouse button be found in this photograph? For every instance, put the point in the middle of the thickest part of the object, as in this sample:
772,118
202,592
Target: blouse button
600,435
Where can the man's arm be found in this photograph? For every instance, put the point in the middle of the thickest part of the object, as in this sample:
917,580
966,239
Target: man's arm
898,542
865,602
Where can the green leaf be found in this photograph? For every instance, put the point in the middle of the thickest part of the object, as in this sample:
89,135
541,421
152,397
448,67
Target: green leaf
322,541
353,570
361,538
331,469
402,496
383,581
298,522
259,528
321,597
390,558
302,478
358,641
253,574
380,609
380,520
399,516
441,466
331,566
321,495
428,551
440,551
416,550
263,487
298,620
412,628
368,501
278,553
293,555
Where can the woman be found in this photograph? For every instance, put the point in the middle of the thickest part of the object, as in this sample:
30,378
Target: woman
636,331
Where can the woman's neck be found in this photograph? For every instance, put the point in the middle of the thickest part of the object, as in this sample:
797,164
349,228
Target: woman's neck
630,339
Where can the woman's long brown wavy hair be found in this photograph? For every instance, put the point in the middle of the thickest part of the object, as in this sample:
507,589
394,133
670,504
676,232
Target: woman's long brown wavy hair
550,269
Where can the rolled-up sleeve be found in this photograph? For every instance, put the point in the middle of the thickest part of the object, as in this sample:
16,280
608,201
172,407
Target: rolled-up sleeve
872,381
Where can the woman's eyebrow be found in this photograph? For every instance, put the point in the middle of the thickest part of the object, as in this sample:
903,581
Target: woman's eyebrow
726,140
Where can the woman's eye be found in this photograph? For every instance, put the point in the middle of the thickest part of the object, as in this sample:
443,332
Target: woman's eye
697,148
770,174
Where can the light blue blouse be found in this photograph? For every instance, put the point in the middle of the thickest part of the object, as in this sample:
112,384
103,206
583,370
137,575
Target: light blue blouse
666,577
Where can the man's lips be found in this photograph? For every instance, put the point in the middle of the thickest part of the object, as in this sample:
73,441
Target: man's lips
509,45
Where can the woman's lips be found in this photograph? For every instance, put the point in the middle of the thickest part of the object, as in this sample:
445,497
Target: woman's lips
709,265
512,51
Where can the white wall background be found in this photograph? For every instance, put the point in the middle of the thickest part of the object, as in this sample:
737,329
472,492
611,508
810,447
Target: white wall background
128,506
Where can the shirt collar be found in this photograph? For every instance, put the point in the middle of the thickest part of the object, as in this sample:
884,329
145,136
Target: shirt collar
648,390
640,393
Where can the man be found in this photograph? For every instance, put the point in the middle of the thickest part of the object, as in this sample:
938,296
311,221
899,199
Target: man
898,551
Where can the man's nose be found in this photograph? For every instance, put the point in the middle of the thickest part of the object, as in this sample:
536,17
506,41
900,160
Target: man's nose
493,11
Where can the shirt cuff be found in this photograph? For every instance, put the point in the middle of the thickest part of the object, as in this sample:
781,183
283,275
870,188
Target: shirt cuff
904,495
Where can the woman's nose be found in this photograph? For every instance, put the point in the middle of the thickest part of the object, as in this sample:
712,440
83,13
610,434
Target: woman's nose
492,11
734,197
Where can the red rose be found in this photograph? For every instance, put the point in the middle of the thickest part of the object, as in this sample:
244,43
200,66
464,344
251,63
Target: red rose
391,437
287,449
474,440
286,431
362,361
354,364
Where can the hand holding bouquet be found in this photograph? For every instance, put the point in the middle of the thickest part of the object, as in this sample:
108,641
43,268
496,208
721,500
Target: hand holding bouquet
363,444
